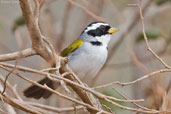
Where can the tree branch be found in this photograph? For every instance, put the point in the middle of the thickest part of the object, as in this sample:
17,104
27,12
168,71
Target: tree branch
39,44
88,12
17,55
146,39
99,95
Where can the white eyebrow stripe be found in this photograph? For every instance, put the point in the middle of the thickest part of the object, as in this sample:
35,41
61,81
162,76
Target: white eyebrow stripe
94,26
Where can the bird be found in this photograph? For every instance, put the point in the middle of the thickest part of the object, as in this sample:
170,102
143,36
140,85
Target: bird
86,55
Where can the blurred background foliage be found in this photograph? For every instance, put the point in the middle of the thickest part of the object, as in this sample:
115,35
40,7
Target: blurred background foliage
63,22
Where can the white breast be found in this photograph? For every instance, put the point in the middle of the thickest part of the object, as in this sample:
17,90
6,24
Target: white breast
87,60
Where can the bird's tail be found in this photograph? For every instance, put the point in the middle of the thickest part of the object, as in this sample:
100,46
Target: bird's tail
38,92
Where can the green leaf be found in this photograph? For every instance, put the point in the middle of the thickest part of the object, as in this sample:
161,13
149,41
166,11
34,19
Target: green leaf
152,34
18,22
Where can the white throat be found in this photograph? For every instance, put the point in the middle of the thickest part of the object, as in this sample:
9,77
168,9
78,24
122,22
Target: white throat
104,39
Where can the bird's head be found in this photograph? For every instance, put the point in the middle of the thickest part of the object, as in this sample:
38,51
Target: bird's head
98,32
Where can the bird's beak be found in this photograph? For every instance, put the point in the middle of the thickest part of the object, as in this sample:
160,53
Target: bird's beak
113,30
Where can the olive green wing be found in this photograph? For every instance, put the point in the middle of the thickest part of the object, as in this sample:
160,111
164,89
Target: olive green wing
72,47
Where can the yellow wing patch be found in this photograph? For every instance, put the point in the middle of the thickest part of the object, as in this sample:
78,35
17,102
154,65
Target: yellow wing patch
72,47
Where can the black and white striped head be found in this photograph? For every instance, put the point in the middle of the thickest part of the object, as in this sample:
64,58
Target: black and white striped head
98,32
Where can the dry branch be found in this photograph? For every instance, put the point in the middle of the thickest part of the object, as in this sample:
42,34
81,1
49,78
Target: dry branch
139,106
39,44
53,109
146,39
93,109
19,101
82,87
52,76
11,88
6,78
10,101
135,81
17,55
91,14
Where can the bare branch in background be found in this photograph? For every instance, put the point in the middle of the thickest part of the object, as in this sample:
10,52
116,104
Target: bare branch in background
135,81
146,40
91,14
143,59
138,63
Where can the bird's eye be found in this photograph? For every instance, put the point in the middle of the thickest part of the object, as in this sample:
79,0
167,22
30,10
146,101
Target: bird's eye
102,27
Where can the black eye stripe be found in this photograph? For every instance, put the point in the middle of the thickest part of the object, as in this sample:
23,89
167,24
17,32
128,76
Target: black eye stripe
91,32
107,28
102,30
102,27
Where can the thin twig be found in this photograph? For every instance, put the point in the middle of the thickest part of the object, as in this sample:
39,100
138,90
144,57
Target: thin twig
50,108
6,78
143,59
10,101
88,12
108,108
138,63
146,39
12,88
135,81
139,106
